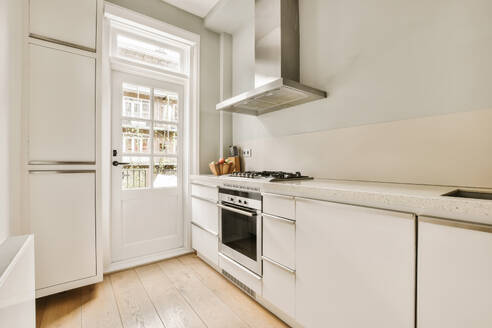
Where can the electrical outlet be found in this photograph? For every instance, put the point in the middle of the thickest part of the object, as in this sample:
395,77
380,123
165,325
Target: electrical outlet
247,152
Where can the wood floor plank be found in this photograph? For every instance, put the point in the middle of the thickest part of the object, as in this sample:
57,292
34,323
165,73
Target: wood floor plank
208,306
99,308
134,305
40,308
63,310
246,308
171,306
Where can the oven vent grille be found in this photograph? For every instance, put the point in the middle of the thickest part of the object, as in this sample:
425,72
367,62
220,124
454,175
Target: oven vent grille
239,284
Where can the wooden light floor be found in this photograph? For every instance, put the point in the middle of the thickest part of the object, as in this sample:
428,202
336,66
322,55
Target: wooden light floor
181,292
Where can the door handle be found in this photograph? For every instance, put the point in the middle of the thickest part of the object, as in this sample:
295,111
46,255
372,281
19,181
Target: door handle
116,163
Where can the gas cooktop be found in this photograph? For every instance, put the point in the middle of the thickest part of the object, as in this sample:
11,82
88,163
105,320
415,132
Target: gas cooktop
271,176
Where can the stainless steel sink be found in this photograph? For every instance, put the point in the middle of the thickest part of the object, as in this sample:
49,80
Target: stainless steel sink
460,193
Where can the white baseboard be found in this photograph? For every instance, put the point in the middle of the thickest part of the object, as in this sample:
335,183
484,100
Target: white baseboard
131,263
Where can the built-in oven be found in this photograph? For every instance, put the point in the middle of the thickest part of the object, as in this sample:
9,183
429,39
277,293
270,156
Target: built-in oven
240,227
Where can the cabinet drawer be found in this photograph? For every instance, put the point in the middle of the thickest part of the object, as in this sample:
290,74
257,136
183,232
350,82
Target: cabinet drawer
206,244
205,214
61,106
279,205
62,218
279,238
71,21
205,192
279,287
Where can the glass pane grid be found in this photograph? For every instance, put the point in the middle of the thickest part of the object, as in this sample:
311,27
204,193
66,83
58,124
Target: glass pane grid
149,137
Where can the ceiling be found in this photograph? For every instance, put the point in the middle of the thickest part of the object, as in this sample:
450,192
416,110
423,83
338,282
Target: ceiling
197,7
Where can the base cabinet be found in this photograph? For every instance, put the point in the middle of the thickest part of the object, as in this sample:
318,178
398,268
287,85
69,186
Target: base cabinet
279,287
355,266
205,243
454,274
63,220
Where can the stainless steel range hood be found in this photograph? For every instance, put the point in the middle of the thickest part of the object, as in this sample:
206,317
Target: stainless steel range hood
277,70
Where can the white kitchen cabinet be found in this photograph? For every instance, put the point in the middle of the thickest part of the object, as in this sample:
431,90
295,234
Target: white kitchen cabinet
205,192
205,213
279,287
69,21
62,217
355,266
279,205
62,102
205,222
205,243
279,240
454,274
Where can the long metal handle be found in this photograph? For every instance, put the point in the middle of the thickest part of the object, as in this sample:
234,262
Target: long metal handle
279,265
204,199
205,229
279,218
457,224
235,210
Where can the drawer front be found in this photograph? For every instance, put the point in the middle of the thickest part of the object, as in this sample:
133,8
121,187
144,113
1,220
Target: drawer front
206,244
279,205
206,192
205,214
279,287
279,240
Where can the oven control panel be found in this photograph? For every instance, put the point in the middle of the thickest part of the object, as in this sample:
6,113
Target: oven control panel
243,199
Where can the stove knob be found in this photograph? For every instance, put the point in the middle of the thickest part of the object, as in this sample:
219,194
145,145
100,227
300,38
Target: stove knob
245,203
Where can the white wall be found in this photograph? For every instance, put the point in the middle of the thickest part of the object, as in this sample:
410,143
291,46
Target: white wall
209,69
10,103
384,61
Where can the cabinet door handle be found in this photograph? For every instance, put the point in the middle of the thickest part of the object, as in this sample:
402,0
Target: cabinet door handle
457,224
204,199
205,229
274,217
279,265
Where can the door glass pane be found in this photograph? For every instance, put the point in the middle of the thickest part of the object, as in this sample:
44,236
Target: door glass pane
135,175
136,101
165,138
165,106
165,172
135,136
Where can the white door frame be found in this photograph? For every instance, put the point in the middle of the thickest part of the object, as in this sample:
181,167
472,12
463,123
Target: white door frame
190,122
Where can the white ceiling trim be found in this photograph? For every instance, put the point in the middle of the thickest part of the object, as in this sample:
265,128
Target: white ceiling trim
197,7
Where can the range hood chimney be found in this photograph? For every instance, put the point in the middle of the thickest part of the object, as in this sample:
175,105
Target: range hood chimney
277,72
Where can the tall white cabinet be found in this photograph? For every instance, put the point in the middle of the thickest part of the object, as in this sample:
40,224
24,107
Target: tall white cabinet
355,266
454,274
61,138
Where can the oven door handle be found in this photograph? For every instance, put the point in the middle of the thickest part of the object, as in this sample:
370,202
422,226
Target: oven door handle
235,210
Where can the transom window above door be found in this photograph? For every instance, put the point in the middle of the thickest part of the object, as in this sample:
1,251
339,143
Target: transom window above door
146,49
150,137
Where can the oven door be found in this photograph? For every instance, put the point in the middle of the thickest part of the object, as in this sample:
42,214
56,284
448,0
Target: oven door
240,235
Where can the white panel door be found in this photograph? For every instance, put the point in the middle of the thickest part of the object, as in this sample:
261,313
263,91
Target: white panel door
147,214
61,106
62,213
454,274
72,21
355,266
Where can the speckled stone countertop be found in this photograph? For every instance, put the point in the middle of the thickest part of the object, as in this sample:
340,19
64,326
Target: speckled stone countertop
419,199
